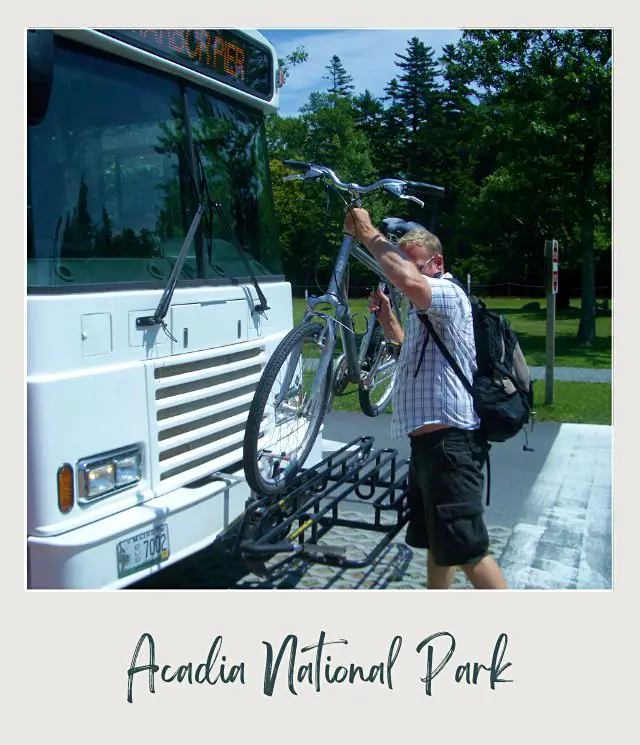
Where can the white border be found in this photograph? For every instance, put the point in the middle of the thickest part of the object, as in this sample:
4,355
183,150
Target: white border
573,653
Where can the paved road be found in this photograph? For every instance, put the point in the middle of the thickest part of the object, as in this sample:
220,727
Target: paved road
549,521
553,502
513,470
574,374
571,374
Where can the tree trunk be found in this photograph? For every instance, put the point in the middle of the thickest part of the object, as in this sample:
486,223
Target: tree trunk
587,327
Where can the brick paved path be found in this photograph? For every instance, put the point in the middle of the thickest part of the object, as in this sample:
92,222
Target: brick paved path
397,567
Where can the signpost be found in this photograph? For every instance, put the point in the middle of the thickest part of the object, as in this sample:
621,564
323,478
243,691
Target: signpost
551,252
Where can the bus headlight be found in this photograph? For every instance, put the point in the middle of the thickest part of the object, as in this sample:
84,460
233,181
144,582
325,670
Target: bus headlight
108,473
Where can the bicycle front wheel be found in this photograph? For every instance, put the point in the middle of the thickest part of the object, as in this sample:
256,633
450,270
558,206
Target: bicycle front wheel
287,410
379,368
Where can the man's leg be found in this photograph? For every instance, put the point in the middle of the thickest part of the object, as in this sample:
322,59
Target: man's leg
438,578
458,533
485,574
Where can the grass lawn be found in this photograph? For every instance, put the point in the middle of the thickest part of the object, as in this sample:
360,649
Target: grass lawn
531,328
584,403
579,403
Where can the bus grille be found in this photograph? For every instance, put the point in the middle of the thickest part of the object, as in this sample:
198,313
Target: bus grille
201,411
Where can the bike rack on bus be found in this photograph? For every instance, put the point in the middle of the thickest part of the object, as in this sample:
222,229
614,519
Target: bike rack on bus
296,522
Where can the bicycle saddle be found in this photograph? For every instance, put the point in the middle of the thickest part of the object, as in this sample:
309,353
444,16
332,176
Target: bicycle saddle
396,227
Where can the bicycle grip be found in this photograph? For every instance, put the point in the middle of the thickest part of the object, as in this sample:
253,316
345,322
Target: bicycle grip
436,191
301,164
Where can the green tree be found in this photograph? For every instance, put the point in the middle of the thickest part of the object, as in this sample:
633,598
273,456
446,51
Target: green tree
310,215
393,158
368,114
297,57
340,82
456,163
418,89
545,114
78,235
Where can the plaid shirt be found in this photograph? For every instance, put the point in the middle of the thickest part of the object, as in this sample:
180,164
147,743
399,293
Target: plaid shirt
435,395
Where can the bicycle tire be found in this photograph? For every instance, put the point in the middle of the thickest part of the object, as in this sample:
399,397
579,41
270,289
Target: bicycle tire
253,454
370,407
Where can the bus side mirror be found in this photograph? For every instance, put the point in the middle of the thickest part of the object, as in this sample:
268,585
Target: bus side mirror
40,56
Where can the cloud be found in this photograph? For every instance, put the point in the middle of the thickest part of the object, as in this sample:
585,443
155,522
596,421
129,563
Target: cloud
368,55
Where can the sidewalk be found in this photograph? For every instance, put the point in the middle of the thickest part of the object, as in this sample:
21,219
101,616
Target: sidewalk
563,539
574,374
549,524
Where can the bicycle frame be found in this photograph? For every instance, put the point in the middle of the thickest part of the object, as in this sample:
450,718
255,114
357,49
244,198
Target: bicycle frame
336,293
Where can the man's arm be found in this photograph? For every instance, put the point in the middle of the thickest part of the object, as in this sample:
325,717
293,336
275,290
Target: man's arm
380,304
400,271
392,328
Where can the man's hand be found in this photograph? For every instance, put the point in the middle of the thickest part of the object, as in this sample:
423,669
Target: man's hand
395,265
380,304
357,222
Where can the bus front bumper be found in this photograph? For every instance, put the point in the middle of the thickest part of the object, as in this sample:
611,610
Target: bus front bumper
124,548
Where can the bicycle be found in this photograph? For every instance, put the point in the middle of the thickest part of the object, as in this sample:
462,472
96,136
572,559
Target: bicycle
300,379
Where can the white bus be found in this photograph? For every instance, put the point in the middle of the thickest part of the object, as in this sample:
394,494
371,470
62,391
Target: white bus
152,257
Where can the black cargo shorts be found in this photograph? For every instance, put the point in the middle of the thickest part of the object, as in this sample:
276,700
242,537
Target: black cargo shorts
446,486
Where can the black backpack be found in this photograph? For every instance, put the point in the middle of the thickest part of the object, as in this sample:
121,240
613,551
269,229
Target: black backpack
502,389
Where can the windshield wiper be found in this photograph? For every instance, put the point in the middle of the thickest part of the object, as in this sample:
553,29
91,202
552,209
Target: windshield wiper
203,194
216,205
157,319
262,305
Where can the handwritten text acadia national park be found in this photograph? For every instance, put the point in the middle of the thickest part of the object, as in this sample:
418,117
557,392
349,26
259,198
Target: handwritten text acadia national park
296,667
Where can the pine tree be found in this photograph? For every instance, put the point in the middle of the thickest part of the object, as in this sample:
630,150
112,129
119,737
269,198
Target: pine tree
340,81
369,114
419,94
79,230
418,90
457,94
104,236
394,160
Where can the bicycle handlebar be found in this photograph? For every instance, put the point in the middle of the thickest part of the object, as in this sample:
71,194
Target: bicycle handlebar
297,163
436,191
395,186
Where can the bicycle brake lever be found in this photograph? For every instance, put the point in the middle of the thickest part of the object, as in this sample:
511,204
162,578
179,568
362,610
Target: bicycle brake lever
312,173
412,199
397,189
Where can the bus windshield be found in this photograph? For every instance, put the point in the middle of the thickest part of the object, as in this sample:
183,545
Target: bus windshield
111,192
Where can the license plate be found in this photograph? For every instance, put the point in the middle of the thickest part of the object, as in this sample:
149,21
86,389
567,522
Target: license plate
143,550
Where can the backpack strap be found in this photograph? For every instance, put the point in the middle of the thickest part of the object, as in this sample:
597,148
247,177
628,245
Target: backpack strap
445,352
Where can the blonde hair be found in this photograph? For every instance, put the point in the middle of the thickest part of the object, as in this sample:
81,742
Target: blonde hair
430,241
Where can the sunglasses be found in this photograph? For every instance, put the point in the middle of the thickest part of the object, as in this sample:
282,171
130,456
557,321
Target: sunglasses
422,267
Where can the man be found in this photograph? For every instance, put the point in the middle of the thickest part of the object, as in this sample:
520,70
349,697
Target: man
431,405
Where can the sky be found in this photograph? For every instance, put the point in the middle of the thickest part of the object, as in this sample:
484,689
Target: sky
368,55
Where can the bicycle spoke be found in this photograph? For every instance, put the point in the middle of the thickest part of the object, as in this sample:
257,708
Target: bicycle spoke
290,409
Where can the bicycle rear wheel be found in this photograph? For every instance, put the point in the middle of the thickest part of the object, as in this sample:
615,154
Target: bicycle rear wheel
283,424
376,396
